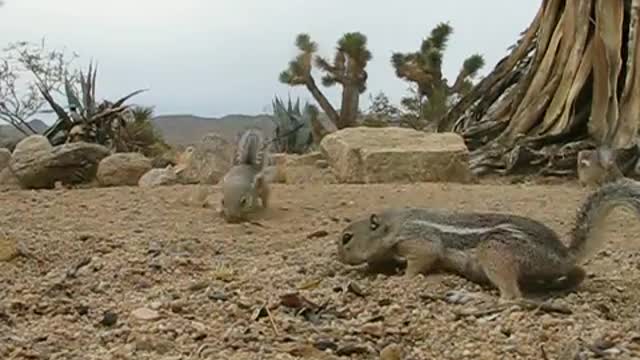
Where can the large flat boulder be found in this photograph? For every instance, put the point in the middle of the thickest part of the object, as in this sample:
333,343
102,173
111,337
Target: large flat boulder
122,169
5,157
391,154
38,165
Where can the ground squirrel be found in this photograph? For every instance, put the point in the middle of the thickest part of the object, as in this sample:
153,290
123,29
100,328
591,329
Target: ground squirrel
513,253
597,167
245,187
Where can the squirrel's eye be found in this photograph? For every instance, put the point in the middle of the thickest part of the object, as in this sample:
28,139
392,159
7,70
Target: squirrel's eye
243,201
346,238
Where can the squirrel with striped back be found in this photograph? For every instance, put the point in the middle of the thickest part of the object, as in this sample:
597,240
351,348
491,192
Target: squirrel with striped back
245,187
512,253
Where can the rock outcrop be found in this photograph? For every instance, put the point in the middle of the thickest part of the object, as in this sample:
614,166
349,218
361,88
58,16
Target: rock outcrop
205,162
38,165
159,177
391,154
5,157
122,169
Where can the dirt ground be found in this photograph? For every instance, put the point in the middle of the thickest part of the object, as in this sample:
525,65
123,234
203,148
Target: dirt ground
130,273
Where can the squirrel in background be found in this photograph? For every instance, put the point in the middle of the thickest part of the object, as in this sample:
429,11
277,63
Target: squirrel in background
245,187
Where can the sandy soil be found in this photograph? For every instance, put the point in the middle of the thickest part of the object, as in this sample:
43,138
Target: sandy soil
128,273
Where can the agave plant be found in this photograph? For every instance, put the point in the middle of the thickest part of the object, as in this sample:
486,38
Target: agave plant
293,127
87,119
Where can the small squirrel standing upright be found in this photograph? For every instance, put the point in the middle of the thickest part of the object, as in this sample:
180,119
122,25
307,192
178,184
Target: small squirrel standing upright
513,253
597,167
245,187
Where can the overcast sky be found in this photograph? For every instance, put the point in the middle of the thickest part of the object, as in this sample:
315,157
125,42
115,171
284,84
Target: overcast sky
216,57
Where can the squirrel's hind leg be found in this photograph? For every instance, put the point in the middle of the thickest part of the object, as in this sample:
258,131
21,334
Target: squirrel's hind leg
264,194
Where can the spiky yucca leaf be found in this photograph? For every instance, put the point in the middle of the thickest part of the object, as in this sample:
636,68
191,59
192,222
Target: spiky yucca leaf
339,61
304,135
59,110
434,61
398,60
72,97
426,46
121,101
92,89
286,77
297,71
324,65
85,93
354,44
304,43
296,107
440,36
473,64
142,113
329,80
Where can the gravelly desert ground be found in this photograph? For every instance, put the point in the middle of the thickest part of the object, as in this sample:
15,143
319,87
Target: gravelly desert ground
129,273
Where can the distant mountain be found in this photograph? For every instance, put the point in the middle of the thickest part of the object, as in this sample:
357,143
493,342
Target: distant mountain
10,135
188,129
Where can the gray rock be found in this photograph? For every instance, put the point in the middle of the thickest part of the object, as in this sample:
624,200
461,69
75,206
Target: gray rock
38,165
5,157
206,162
386,155
122,169
158,177
8,180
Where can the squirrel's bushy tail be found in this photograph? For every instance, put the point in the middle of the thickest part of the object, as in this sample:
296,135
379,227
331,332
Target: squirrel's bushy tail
587,233
252,149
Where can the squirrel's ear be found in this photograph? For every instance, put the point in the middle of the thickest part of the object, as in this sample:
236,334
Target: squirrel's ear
585,162
374,221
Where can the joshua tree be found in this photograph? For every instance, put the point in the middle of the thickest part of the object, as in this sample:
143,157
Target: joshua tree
572,82
424,69
348,69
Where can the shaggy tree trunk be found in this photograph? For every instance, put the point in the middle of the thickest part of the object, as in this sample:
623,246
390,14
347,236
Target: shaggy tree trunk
350,106
320,127
325,105
571,83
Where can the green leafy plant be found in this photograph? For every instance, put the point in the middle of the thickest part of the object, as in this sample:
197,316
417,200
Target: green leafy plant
141,135
89,120
294,129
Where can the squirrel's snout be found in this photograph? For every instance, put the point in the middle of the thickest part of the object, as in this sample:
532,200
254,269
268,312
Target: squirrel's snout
232,218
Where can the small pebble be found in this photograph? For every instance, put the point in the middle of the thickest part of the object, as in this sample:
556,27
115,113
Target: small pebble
145,314
109,318
391,352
